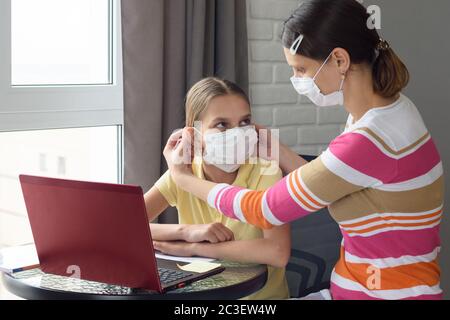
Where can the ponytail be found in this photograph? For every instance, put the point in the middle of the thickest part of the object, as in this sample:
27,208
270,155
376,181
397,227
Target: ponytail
389,73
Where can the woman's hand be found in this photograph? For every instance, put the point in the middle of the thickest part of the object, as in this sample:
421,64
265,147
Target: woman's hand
178,153
213,233
175,248
268,144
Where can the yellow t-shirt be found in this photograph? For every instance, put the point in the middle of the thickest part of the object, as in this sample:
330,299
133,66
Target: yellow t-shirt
192,210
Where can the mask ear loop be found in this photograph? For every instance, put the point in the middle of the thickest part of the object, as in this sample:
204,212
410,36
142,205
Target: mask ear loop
296,45
323,65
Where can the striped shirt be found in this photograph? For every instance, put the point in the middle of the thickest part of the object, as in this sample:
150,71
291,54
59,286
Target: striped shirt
382,181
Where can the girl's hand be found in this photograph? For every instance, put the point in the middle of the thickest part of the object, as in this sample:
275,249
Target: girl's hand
212,232
178,153
175,248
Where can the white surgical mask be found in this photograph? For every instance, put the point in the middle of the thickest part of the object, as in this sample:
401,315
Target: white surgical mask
229,149
307,86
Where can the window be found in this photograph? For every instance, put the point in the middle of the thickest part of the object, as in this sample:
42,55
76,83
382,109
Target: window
61,99
90,154
71,47
60,64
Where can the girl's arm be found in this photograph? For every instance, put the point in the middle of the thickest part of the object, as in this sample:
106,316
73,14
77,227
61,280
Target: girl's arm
212,232
273,249
155,203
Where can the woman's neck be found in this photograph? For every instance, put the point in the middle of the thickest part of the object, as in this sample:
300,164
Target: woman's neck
360,96
214,174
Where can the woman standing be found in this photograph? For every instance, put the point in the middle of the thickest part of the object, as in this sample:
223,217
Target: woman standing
382,178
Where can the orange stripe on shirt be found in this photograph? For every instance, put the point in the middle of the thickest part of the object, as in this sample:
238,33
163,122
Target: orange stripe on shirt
251,208
376,219
299,196
381,226
400,277
306,193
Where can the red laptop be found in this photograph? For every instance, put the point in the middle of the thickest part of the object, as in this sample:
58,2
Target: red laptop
100,230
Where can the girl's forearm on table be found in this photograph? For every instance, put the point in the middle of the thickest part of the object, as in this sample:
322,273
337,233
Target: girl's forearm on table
167,232
273,254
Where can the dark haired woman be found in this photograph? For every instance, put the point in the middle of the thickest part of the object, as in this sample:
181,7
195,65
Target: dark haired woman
382,178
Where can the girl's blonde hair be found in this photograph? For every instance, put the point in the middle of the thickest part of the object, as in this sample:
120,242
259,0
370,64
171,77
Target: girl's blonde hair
200,95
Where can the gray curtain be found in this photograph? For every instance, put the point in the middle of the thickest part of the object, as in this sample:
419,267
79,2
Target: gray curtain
168,45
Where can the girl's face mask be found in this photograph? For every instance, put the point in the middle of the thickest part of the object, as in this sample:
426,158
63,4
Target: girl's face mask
307,86
229,149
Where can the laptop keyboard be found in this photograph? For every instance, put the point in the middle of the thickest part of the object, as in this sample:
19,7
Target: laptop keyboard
170,275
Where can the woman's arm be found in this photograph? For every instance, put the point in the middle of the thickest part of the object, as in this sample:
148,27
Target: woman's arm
273,249
340,171
270,148
289,160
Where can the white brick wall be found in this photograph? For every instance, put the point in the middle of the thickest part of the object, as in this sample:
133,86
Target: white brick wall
304,127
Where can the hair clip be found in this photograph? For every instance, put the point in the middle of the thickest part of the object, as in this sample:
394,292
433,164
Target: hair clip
296,45
383,45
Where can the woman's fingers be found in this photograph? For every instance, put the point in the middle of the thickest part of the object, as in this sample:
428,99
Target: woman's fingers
268,143
263,136
177,150
179,147
184,147
174,138
259,127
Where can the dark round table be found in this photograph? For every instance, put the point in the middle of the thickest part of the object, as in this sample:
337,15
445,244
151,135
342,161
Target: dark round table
235,282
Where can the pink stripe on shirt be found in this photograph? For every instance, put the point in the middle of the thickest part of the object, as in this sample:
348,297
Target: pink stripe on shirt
402,243
226,197
371,161
282,205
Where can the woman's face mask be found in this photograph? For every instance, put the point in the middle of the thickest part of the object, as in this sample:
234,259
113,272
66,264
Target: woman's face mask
307,86
229,149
